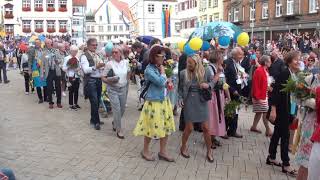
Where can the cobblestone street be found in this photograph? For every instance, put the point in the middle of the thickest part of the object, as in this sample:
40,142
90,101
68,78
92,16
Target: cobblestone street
59,144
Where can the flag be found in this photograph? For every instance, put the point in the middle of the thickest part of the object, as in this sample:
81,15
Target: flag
124,21
108,12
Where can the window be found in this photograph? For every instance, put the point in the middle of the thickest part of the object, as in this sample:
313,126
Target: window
278,8
209,3
108,37
50,24
115,28
75,10
76,22
127,28
290,7
92,29
75,34
101,38
26,3
115,36
265,10
120,28
177,26
216,16
38,4
210,18
151,27
26,24
62,24
192,23
109,28
182,6
313,6
63,4
236,15
100,18
195,3
215,3
120,18
9,28
38,25
151,8
100,28
165,6
88,29
50,3
9,11
252,11
229,16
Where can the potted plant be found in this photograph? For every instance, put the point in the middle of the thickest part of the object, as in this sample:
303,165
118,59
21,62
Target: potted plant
50,9
51,30
63,30
26,9
62,9
8,16
39,30
38,9
26,30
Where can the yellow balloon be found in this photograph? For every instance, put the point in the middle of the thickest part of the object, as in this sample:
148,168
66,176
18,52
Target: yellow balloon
195,44
243,39
42,45
181,45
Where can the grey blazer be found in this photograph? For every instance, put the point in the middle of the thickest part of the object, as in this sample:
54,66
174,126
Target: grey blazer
184,84
45,59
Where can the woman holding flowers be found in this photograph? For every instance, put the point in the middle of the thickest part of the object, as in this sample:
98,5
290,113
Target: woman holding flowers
308,121
260,88
220,94
194,79
283,114
71,66
156,119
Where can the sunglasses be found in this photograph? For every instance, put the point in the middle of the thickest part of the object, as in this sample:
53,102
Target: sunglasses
160,55
311,60
94,44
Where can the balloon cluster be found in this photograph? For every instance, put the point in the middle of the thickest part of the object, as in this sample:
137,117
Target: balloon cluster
108,47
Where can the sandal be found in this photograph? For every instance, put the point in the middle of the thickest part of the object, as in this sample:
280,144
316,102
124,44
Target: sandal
255,130
292,173
187,156
209,159
146,158
269,162
161,157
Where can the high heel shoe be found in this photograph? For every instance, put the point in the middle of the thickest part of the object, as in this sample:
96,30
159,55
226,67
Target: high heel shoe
269,162
292,173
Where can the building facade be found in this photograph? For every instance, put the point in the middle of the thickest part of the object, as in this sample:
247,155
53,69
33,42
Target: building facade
268,18
109,22
210,11
148,19
37,16
188,14
78,21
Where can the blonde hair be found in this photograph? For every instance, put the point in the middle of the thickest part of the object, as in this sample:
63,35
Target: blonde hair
198,72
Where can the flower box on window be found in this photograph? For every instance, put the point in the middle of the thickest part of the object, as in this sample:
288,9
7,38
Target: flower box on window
38,9
50,9
63,9
26,9
8,16
39,30
63,30
26,30
51,30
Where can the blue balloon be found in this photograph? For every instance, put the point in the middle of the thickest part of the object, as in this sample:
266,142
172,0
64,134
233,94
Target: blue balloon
224,41
108,47
205,46
188,50
42,37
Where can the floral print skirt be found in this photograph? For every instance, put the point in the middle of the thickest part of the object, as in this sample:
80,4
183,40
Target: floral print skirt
156,120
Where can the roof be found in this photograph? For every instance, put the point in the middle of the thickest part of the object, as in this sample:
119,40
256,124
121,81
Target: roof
120,5
79,2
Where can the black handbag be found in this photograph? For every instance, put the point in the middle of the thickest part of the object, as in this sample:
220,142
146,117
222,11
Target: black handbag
205,95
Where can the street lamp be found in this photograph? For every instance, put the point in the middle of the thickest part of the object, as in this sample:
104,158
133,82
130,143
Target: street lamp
252,20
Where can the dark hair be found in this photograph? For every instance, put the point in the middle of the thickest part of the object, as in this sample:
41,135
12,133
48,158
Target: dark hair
136,45
154,41
91,40
215,56
290,56
154,51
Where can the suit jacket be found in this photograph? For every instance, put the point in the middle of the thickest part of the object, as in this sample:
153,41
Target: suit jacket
184,84
281,100
246,64
231,77
54,54
275,68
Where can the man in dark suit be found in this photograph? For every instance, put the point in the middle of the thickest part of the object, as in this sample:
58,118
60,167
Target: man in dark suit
276,65
232,76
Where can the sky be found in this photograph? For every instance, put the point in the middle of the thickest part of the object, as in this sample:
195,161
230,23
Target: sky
94,4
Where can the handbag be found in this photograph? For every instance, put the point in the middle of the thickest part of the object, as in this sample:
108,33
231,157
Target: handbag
205,95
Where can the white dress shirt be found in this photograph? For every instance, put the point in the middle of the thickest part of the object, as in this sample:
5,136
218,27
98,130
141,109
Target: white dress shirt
70,72
95,73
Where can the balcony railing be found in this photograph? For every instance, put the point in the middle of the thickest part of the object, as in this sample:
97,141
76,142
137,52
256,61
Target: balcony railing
63,30
26,30
51,9
51,30
38,9
63,9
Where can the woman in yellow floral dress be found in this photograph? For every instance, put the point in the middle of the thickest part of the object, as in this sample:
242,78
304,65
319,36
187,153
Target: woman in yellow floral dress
156,119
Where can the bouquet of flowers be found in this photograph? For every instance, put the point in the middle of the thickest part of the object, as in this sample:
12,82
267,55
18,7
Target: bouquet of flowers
73,63
298,88
169,66
230,109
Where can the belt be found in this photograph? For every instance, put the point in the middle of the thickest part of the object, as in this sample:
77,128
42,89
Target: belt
96,78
